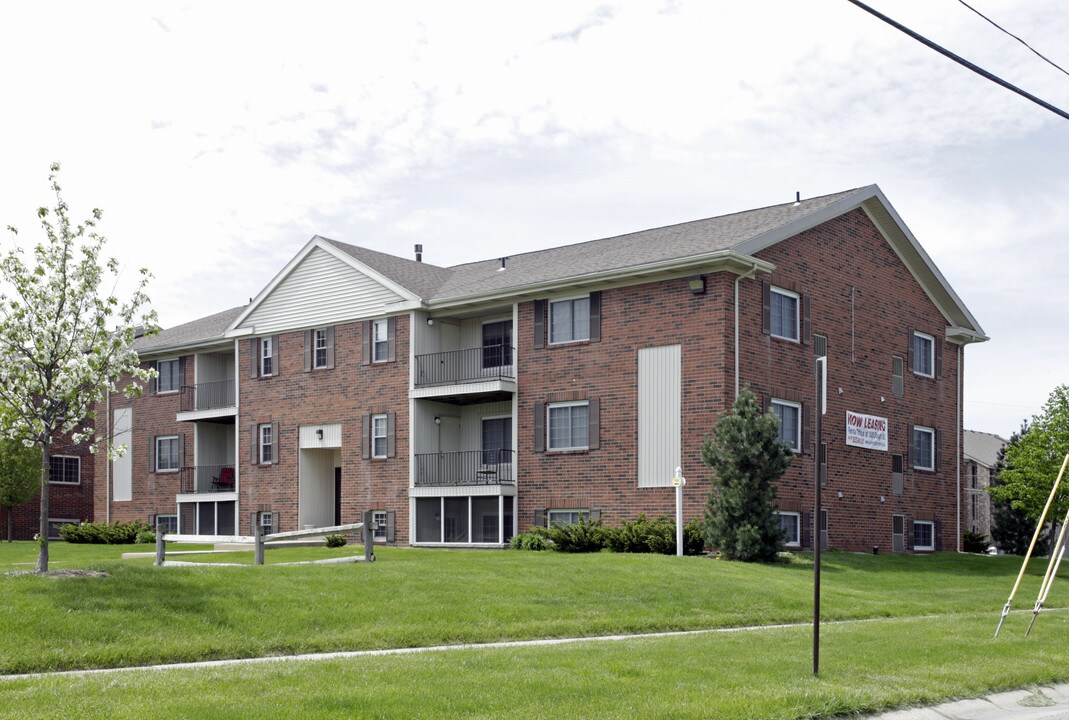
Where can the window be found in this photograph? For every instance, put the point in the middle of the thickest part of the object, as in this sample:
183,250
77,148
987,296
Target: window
167,523
320,349
65,469
568,426
569,320
379,430
497,344
923,535
923,448
379,518
380,341
565,517
267,522
497,440
784,314
267,356
790,423
923,354
168,454
791,522
267,444
168,377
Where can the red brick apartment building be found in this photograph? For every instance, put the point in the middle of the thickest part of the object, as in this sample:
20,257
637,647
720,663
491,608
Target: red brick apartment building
70,494
464,404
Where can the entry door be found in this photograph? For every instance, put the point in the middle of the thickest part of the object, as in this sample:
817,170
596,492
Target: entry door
337,496
898,533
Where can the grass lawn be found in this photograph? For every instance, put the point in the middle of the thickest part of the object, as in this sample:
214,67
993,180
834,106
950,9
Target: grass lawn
933,640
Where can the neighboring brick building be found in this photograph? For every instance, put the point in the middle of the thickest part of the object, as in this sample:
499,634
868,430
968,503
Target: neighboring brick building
979,452
464,404
70,494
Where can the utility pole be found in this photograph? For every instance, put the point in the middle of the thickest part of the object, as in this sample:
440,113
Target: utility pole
822,408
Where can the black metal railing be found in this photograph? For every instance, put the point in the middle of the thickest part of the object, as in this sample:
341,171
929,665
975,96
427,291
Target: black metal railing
208,478
466,467
490,362
208,395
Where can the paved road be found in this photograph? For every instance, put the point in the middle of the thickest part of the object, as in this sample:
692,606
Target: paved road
1050,702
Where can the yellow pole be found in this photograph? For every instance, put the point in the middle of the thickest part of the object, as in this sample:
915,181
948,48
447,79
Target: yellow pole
1032,545
1056,552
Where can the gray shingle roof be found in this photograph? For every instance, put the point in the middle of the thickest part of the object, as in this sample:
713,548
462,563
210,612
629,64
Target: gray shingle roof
674,242
982,447
201,330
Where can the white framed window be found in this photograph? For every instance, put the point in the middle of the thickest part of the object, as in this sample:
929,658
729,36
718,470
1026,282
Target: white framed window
923,535
169,524
569,320
65,470
267,444
168,376
267,356
380,341
790,422
565,517
380,519
319,348
497,440
568,426
791,522
923,354
379,431
168,453
783,318
923,448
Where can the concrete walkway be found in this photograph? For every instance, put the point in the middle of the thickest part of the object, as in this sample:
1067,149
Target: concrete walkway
1049,702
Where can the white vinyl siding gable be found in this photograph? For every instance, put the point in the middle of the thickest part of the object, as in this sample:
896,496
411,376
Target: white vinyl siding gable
322,290
659,414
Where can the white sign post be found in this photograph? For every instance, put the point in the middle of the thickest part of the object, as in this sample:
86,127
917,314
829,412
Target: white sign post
679,481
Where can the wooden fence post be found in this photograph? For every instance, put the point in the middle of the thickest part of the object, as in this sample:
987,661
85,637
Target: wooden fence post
369,538
257,539
161,544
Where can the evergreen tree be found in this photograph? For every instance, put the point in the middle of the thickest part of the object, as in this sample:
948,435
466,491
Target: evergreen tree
20,471
747,458
1012,528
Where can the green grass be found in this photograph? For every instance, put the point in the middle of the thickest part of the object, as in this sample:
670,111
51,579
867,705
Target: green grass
940,612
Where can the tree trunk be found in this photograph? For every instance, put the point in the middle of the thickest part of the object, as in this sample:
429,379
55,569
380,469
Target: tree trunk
42,537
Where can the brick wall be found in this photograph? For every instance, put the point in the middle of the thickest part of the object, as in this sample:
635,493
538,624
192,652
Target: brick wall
65,501
862,298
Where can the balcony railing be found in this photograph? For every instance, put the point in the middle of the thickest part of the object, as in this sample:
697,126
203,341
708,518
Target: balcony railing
466,467
208,478
208,395
491,362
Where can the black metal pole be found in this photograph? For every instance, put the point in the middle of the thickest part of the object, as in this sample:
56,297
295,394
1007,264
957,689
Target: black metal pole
816,515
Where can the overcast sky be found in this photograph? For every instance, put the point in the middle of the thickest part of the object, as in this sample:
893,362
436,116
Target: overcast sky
218,137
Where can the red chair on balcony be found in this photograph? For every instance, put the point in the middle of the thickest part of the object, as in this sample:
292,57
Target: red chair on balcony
225,481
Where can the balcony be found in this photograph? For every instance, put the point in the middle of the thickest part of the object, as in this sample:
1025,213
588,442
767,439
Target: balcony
208,401
454,367
207,478
466,467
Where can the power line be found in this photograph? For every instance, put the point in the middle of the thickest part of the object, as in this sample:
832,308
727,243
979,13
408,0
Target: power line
962,61
1037,53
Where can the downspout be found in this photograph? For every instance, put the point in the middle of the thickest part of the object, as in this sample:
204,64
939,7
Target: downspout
960,419
749,273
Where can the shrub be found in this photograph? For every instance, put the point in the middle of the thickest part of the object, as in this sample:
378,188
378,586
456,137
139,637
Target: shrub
335,541
974,542
654,536
117,533
580,537
146,536
529,541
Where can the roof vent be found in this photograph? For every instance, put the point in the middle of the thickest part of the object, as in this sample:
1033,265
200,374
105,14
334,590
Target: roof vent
797,198
419,253
503,261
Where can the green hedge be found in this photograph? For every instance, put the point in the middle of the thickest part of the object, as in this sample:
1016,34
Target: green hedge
116,533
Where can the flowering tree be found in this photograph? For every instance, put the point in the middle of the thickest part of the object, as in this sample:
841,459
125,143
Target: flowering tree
63,343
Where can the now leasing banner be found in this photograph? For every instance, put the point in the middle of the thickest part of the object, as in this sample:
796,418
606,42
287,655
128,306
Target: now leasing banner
867,431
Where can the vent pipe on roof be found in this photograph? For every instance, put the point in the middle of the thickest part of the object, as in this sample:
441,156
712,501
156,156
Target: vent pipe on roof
419,253
503,261
797,198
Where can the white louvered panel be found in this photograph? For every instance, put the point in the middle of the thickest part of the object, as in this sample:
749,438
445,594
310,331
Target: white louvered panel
322,290
122,467
331,436
659,414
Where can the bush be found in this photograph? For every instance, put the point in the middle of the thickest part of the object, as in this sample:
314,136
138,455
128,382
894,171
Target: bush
581,537
529,541
335,541
146,536
656,536
117,533
974,542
